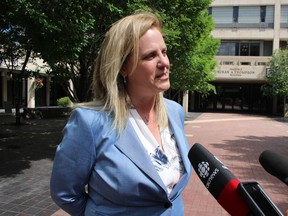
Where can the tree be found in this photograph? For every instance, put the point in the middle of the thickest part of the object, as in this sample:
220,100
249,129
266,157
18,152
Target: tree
68,34
55,31
277,80
15,47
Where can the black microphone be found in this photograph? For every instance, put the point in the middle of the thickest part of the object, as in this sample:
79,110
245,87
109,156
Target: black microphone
220,182
275,164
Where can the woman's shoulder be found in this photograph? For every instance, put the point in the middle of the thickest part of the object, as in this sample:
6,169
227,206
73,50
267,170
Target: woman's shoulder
89,115
172,104
86,109
174,109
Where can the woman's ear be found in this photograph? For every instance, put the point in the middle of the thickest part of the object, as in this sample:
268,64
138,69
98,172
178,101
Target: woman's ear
124,71
123,76
126,67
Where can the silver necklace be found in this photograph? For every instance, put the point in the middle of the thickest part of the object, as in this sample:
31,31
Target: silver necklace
145,118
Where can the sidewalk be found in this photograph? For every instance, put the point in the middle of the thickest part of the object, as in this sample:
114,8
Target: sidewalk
26,156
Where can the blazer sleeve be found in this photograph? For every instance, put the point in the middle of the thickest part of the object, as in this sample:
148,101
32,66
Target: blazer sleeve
73,163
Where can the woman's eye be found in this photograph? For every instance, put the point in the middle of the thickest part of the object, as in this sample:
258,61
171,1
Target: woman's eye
152,55
149,56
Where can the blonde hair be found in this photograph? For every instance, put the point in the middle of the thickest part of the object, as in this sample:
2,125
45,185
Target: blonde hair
121,41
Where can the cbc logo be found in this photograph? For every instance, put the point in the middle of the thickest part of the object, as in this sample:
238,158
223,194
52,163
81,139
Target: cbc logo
203,169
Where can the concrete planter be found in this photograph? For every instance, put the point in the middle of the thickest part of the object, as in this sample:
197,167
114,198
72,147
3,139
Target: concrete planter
46,112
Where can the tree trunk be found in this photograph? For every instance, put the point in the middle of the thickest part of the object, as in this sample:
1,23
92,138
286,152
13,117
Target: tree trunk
285,107
18,101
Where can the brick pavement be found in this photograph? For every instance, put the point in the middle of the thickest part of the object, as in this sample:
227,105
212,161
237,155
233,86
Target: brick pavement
236,139
26,154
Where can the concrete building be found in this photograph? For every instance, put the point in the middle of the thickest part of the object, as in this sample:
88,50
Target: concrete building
29,91
249,30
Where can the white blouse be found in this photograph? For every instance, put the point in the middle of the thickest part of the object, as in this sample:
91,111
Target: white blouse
168,163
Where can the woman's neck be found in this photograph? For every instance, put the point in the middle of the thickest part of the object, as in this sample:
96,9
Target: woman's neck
144,104
146,109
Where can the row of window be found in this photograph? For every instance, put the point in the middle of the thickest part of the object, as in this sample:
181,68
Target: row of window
247,48
239,49
247,14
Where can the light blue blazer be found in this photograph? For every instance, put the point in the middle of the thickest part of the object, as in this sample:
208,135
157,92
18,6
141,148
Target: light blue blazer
119,173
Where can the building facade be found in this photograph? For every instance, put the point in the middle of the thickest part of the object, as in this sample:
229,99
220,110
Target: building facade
249,31
26,91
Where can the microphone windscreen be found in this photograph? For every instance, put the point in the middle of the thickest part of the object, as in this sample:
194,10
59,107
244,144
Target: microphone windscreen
275,164
218,179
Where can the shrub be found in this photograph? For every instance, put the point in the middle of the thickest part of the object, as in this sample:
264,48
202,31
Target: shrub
64,102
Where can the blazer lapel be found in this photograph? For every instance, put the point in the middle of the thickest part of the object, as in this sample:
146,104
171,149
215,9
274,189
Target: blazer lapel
130,145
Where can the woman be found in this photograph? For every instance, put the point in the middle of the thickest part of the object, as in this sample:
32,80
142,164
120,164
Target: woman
129,148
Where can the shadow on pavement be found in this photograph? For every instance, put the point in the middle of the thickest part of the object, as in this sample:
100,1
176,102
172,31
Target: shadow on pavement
31,141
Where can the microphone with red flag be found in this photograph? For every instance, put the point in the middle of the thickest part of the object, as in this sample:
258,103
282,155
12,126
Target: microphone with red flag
217,178
238,199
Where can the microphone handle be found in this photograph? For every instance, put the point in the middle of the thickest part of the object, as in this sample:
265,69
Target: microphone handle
257,199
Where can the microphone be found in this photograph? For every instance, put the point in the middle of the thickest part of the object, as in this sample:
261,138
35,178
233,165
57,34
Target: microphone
275,164
218,179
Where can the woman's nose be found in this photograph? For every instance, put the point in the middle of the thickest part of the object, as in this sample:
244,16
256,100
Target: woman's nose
163,61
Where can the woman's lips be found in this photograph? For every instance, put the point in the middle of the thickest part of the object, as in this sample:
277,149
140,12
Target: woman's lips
163,76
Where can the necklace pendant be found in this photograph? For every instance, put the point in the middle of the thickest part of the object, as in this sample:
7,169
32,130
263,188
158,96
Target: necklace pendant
146,120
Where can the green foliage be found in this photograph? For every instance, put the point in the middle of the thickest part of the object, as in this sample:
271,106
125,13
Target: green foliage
64,102
277,81
67,35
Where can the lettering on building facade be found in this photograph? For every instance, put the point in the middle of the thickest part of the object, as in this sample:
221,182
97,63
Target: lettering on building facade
235,72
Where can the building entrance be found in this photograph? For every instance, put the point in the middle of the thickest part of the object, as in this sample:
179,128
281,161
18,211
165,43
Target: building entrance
230,97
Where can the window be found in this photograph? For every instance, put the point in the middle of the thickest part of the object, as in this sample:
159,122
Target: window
222,15
249,15
254,49
210,10
227,49
284,14
235,14
263,14
244,49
